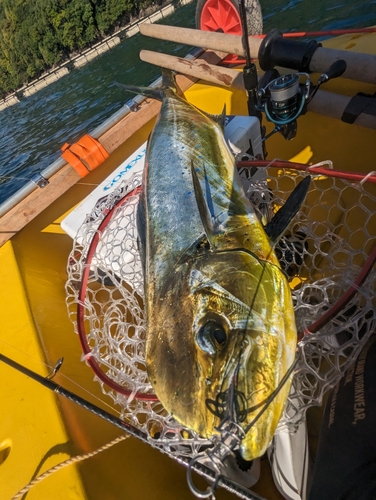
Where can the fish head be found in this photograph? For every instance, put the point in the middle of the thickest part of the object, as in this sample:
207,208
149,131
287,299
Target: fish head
222,340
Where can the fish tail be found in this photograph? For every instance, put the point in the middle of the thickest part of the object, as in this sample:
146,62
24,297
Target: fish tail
168,86
146,91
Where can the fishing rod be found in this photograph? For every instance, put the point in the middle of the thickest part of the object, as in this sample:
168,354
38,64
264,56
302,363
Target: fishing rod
75,398
319,33
308,34
249,69
198,467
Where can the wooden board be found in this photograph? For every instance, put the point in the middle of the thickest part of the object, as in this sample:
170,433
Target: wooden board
25,211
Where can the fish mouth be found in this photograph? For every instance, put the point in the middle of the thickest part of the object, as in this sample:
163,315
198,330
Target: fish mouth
233,404
232,400
251,417
249,403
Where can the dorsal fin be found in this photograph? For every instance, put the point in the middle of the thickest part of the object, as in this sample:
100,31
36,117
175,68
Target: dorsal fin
280,222
220,119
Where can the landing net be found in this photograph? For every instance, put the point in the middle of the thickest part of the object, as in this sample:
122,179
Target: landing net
323,254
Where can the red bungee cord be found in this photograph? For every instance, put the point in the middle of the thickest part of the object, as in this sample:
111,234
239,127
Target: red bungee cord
302,34
349,176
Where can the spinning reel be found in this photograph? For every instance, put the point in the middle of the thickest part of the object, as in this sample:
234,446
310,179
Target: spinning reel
283,98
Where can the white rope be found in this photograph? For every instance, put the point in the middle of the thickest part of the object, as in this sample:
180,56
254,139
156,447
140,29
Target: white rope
69,461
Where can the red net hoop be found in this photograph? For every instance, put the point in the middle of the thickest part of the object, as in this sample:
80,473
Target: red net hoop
328,255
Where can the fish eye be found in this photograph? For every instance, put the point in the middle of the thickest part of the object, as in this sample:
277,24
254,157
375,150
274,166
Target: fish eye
219,335
211,337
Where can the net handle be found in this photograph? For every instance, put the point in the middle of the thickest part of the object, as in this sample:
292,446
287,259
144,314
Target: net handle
88,354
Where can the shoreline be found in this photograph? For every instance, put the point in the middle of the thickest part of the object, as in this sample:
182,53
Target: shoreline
89,54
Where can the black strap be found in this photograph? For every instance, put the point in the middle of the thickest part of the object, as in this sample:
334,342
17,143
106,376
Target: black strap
361,103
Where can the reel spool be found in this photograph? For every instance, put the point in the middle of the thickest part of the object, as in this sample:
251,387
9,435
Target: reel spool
283,98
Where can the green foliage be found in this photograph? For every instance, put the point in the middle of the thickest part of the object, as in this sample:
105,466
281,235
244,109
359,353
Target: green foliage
37,34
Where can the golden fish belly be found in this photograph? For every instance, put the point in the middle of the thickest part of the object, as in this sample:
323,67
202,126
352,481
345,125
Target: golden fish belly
253,305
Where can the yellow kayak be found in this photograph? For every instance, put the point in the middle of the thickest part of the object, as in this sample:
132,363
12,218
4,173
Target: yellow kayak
40,429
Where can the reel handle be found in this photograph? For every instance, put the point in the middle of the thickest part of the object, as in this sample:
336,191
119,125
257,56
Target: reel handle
336,70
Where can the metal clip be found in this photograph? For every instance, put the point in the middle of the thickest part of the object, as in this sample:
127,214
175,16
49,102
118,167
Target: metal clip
39,180
132,105
55,369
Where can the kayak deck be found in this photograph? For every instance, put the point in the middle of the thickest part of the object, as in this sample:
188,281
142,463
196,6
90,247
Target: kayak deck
41,429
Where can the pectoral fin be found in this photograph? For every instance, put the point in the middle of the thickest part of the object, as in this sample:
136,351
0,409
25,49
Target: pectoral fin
280,222
205,207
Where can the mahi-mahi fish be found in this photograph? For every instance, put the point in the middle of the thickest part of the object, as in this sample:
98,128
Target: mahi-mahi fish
219,308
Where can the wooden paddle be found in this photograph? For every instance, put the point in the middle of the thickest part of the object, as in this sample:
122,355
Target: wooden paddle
360,67
197,69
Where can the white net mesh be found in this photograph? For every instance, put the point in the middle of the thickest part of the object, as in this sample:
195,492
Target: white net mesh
323,253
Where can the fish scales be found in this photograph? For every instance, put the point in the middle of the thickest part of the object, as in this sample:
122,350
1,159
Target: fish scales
219,308
169,188
183,138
